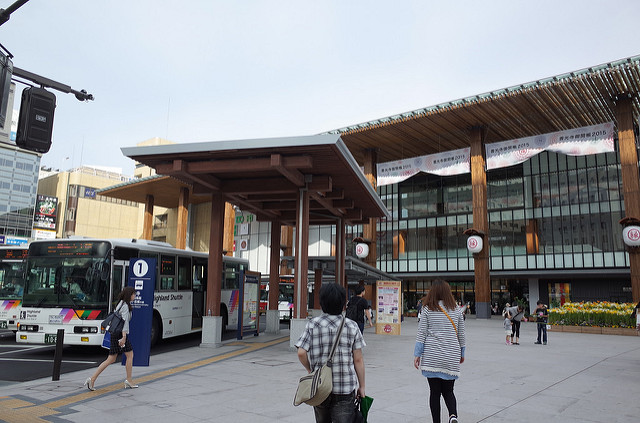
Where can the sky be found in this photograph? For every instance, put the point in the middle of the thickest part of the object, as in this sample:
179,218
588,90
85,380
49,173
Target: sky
210,70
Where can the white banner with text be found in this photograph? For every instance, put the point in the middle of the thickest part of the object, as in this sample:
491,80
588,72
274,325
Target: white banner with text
583,141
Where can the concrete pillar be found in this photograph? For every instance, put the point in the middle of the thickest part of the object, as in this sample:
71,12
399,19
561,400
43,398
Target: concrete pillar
211,331
273,321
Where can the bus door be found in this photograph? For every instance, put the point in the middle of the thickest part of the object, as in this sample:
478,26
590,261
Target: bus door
119,279
199,275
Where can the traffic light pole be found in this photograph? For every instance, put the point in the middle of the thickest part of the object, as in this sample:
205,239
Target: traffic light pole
5,14
81,95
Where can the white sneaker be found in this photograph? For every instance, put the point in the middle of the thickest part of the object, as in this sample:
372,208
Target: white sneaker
453,419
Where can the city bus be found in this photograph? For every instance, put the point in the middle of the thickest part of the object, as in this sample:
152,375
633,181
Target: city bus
285,296
72,284
12,260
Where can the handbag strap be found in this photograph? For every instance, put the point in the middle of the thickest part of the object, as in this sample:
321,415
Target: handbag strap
448,317
336,339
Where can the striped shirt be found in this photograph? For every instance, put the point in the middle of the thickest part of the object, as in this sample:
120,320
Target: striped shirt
437,344
317,339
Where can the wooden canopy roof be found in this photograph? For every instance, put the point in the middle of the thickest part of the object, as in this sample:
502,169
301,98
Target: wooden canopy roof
164,189
264,176
571,100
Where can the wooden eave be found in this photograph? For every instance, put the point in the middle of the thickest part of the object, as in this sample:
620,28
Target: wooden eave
264,177
576,99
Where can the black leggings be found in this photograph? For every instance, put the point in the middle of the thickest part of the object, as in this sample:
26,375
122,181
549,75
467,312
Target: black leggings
515,329
442,387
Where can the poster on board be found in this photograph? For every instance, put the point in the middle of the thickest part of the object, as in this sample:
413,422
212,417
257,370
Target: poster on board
388,303
248,314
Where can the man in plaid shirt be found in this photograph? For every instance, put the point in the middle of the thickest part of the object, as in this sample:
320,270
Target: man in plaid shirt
314,346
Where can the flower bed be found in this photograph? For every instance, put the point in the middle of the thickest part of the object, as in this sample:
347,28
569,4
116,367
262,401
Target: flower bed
594,314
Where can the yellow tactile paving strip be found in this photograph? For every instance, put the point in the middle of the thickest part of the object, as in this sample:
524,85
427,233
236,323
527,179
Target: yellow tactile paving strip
13,410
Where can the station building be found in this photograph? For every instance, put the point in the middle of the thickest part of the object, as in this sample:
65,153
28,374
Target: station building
545,172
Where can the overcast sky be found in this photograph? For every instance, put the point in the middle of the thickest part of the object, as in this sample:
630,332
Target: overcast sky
208,70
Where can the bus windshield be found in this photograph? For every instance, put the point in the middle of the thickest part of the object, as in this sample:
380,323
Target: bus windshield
11,281
71,282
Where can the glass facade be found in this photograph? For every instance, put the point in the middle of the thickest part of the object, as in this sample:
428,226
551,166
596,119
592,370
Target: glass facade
553,213
18,188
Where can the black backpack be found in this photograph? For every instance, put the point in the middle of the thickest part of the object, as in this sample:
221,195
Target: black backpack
352,309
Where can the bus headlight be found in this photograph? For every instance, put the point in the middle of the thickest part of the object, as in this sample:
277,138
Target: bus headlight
85,329
28,328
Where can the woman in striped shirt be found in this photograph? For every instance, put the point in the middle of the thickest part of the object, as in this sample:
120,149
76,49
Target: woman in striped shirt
440,346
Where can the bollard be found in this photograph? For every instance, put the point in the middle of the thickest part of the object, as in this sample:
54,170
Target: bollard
57,358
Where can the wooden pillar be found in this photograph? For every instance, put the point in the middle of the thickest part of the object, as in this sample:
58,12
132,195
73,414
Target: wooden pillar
341,253
214,273
286,241
183,214
274,266
147,225
630,180
369,231
317,284
480,223
302,255
229,224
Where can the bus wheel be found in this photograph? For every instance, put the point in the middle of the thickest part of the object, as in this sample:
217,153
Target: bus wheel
156,329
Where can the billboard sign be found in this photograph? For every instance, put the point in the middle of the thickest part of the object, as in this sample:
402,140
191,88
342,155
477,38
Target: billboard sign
46,212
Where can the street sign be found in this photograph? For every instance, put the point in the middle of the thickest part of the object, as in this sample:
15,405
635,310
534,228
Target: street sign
142,277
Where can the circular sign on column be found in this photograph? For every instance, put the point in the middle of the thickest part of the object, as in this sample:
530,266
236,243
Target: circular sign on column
388,328
474,244
362,250
631,235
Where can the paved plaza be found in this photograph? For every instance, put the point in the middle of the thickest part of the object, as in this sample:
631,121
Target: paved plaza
575,378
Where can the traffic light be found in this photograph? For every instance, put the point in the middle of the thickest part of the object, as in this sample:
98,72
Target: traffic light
35,124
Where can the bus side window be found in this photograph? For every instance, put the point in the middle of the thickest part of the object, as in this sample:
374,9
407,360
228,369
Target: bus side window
167,273
184,273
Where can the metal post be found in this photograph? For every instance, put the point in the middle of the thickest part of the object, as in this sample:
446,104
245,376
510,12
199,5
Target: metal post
57,358
6,13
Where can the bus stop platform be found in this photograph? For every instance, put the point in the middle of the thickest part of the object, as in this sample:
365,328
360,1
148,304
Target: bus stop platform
577,377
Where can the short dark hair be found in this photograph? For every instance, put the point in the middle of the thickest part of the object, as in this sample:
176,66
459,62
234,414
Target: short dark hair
359,290
333,297
539,302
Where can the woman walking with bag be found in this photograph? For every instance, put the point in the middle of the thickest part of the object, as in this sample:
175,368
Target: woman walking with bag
440,346
119,341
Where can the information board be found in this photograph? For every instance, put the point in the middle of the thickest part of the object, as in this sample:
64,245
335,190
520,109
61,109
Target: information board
142,277
248,313
388,307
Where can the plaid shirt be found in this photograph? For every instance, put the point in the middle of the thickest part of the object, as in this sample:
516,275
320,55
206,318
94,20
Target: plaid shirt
317,339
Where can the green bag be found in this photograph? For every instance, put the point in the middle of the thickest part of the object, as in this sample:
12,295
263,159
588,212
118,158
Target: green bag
365,405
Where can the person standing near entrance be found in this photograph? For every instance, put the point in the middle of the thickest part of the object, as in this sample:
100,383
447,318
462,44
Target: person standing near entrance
358,308
541,319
